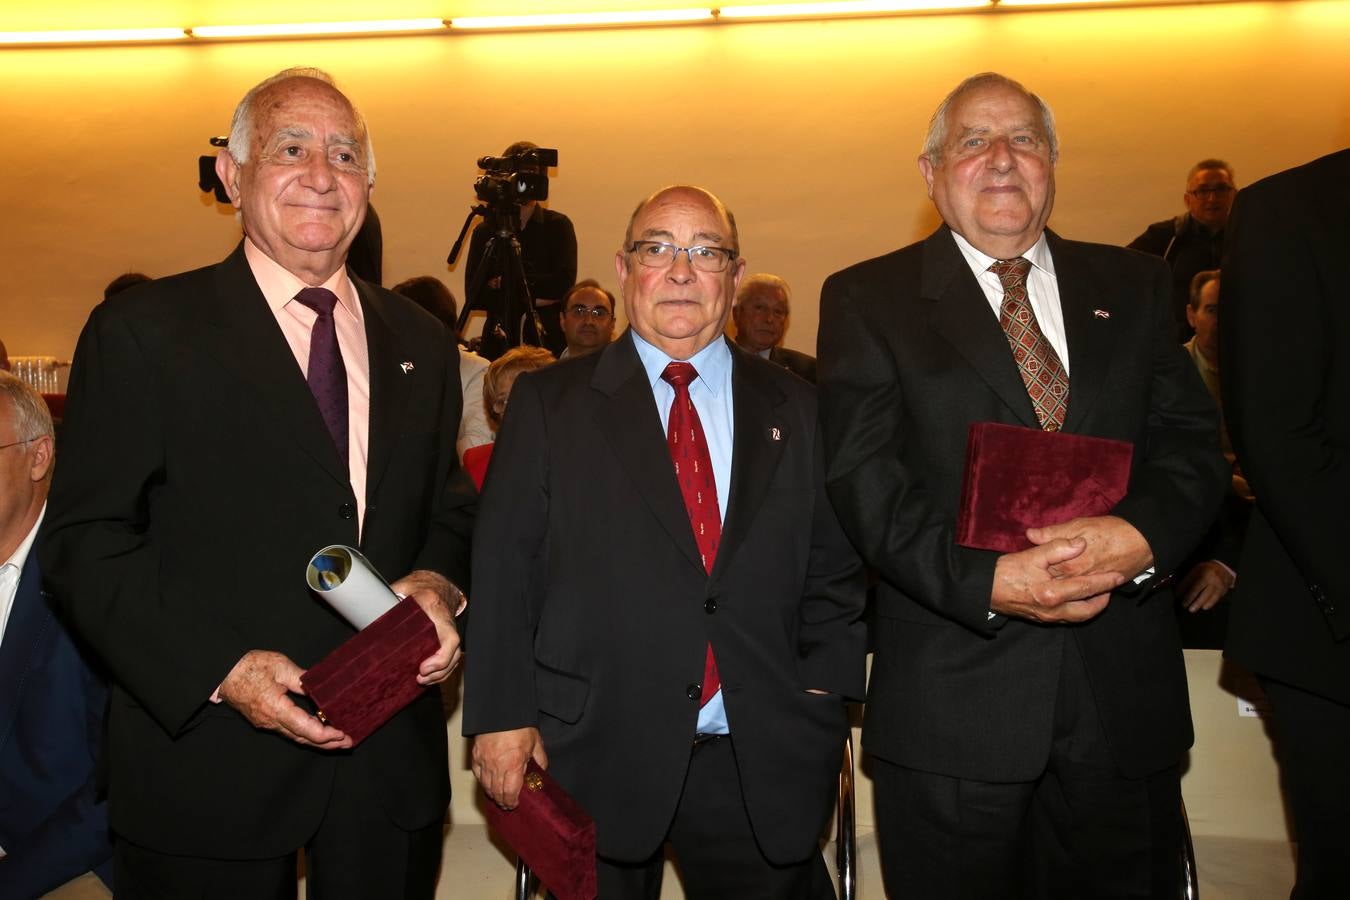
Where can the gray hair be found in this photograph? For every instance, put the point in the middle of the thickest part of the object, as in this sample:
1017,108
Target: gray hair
1210,163
716,202
936,140
32,419
241,126
761,280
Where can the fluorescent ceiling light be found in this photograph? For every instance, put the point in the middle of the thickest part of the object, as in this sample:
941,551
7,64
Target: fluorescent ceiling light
582,20
842,8
1073,2
93,36
303,29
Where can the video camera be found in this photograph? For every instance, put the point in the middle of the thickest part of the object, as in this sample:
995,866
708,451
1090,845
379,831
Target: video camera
516,179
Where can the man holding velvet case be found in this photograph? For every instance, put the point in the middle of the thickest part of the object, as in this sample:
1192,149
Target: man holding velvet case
1027,709
250,413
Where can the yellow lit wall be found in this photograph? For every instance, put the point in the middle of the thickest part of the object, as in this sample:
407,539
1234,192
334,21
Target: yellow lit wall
809,130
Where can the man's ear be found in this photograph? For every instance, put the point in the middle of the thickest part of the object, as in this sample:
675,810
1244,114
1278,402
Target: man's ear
926,170
41,454
227,170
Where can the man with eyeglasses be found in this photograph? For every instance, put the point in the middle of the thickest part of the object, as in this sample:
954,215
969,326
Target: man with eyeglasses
587,318
667,614
1192,241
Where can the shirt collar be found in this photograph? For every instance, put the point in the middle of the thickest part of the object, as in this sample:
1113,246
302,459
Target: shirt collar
21,554
712,363
279,286
1038,255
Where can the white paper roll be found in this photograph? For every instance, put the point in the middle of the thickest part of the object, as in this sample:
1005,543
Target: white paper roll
349,583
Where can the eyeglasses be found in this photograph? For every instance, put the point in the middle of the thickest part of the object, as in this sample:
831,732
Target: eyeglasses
580,311
659,255
17,443
1212,190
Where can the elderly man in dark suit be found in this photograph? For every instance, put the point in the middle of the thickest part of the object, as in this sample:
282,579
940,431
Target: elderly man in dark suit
667,614
1027,711
53,816
223,425
761,312
1286,393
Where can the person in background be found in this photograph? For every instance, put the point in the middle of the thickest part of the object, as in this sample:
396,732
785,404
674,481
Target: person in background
587,318
431,294
761,313
500,377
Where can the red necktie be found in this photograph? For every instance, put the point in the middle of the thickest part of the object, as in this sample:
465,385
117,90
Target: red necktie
1042,372
327,375
694,472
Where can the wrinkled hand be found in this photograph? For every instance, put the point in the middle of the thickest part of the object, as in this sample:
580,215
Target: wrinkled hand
257,687
441,601
1204,586
1113,545
499,759
1026,587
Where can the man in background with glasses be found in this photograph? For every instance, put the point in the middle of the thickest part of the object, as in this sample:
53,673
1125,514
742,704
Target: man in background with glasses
1192,241
678,648
587,318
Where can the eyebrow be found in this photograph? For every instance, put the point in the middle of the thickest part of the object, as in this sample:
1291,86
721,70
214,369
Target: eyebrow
710,236
298,133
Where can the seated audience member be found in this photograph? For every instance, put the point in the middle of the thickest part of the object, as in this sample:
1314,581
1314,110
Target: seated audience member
587,318
1211,571
431,294
497,383
761,316
53,824
124,281
1193,240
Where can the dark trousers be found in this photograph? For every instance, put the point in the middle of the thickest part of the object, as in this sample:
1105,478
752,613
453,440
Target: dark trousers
714,846
1079,831
356,854
1312,743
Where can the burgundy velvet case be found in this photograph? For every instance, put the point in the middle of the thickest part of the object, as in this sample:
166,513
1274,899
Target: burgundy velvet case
372,675
1018,478
552,833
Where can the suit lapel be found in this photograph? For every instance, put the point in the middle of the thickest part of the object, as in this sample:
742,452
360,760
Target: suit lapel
244,337
1087,303
389,385
628,419
761,435
961,315
29,621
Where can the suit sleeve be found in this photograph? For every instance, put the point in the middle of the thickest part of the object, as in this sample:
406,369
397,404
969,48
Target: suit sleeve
1281,345
1176,489
881,499
509,556
98,549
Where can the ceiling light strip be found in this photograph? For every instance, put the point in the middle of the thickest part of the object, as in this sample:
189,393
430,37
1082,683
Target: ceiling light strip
581,20
844,8
93,36
312,29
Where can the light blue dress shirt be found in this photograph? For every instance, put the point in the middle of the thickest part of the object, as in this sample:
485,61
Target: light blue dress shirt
711,395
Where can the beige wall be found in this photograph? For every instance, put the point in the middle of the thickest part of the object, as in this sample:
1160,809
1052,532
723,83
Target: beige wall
809,130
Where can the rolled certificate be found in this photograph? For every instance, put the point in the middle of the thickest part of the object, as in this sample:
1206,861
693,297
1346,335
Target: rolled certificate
349,583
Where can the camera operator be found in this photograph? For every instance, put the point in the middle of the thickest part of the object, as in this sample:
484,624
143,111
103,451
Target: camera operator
548,250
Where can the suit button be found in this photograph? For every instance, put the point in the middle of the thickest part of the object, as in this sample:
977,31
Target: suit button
694,691
347,511
710,605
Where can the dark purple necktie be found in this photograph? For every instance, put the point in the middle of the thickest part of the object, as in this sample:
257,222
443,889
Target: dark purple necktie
693,470
327,375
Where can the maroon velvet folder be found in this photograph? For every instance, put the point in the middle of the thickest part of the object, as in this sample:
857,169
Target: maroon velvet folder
372,675
552,833
1019,478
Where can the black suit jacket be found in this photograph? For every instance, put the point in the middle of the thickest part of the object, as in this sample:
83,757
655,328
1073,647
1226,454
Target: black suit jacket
800,364
911,355
196,479
1285,345
592,608
53,817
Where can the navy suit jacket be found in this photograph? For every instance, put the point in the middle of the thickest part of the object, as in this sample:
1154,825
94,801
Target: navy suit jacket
53,824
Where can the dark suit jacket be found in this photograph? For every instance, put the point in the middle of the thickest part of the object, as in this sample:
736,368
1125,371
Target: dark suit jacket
592,608
196,479
800,364
911,355
53,822
1284,342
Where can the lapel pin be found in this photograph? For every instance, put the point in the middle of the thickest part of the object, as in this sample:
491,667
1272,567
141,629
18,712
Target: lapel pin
1101,314
775,434
406,366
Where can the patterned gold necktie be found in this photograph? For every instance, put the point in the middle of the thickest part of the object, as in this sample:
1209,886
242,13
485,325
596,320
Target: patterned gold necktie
1042,372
